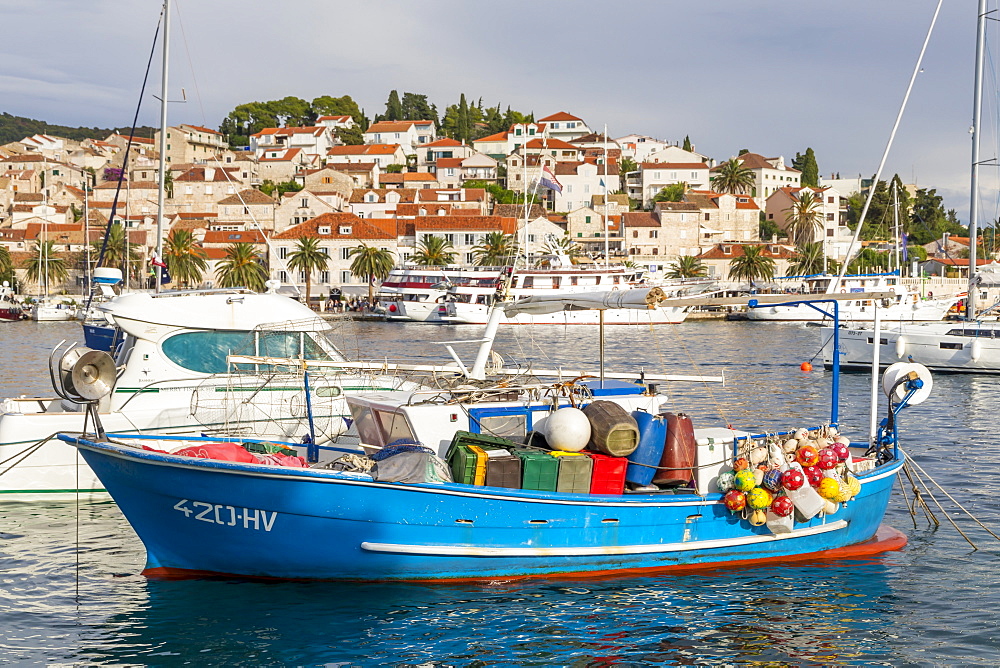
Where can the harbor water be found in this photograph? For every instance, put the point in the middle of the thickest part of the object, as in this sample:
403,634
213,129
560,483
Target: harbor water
72,592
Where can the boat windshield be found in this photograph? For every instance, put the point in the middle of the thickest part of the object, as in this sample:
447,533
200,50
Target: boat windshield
206,351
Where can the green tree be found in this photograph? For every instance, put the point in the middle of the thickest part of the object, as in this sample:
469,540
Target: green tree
326,105
307,258
806,163
7,267
186,260
751,265
394,169
672,193
809,260
276,190
372,264
434,251
687,143
241,268
767,230
114,252
417,108
732,177
929,220
804,218
868,261
496,249
563,245
686,266
46,266
352,136
393,108
626,165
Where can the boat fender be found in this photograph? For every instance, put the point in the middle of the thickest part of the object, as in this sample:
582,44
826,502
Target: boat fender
567,429
900,346
976,349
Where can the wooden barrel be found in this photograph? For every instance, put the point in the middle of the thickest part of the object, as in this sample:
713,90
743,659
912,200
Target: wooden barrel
678,461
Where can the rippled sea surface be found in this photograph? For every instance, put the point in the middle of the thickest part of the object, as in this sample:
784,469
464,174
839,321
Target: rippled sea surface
71,593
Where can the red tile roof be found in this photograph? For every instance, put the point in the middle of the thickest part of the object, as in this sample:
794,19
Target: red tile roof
408,177
405,194
363,149
546,143
736,250
640,219
559,116
500,136
201,129
361,228
443,142
249,196
393,126
429,224
445,163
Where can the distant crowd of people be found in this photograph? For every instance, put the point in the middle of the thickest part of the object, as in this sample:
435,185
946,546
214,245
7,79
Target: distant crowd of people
337,303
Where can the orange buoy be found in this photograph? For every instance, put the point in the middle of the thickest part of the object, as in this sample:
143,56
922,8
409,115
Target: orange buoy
806,366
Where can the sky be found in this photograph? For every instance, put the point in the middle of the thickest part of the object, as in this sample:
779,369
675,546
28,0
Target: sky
772,76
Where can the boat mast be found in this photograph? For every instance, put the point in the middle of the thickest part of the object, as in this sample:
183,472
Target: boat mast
895,226
162,184
607,242
970,301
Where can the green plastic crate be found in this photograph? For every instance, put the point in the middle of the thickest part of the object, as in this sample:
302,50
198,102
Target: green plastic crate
539,470
484,441
468,464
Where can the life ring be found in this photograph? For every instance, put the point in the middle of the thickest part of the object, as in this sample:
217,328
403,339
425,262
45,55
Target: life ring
843,291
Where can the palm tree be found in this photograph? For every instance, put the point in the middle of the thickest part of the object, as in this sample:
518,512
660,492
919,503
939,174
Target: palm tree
732,177
45,265
114,250
185,259
751,265
241,268
6,266
562,246
433,251
308,257
497,249
687,266
809,259
803,219
372,264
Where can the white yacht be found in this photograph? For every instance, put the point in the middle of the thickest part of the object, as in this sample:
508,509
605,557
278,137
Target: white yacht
173,377
907,307
415,293
956,347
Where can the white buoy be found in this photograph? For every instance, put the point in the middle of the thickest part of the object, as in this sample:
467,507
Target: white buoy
567,429
900,346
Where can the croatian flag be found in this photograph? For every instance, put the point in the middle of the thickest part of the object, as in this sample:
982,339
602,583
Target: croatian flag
156,261
549,180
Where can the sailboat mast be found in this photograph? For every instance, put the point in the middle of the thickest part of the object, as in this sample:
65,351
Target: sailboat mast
970,301
895,226
162,185
607,242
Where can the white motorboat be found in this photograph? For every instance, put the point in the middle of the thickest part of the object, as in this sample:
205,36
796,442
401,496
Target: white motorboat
45,310
906,307
956,347
173,378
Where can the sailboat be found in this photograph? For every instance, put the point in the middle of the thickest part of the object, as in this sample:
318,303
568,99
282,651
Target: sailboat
47,309
971,345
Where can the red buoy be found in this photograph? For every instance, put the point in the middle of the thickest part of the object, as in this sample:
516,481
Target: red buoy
806,366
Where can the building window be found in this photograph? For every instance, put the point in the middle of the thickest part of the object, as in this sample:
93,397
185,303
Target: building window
586,219
656,251
635,234
283,275
470,239
282,254
829,233
305,203
345,253
324,229
302,277
469,259
324,277
707,217
345,277
653,234
345,230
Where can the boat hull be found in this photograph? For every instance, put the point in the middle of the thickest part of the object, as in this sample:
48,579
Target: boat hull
201,516
478,314
929,345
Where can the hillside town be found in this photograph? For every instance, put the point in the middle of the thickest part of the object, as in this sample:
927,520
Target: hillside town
403,185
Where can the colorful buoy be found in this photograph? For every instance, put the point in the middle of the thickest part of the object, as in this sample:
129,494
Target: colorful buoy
806,366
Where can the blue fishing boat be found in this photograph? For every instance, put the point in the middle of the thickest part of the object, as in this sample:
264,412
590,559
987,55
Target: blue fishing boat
207,516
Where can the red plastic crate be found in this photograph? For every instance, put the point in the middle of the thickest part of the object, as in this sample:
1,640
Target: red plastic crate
609,474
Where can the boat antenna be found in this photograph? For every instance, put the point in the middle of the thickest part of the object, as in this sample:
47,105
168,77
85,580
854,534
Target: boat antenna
970,301
885,154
